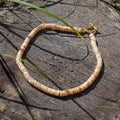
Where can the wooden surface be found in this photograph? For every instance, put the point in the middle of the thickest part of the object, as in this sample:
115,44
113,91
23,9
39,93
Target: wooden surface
66,60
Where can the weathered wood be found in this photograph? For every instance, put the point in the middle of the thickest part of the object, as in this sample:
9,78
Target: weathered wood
67,62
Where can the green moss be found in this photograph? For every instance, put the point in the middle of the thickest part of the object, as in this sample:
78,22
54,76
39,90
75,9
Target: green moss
116,1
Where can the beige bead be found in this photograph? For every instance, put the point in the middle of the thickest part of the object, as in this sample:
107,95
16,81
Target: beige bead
38,85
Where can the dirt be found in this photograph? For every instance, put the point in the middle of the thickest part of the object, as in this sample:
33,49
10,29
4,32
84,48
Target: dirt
65,59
